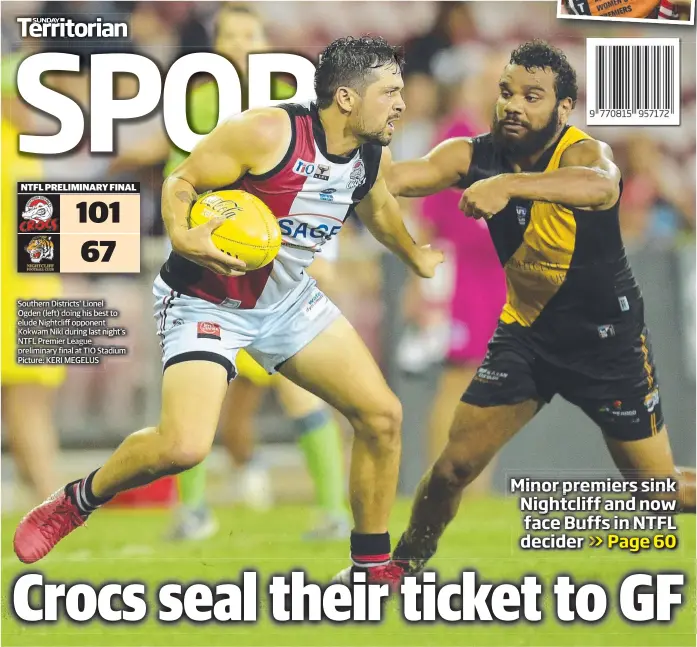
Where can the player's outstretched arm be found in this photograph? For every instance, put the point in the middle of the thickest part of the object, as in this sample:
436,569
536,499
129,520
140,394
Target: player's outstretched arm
442,168
587,178
380,213
254,141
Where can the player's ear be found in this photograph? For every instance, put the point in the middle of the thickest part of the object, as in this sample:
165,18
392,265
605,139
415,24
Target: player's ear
345,99
565,108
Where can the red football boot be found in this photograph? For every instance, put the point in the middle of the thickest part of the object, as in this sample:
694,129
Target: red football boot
390,574
46,525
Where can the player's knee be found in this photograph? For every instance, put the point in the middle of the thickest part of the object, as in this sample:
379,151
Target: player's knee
381,426
457,470
179,454
184,456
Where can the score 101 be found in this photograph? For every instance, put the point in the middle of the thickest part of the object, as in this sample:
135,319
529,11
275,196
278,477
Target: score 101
99,212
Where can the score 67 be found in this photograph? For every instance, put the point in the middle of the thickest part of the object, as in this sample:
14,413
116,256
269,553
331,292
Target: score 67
90,250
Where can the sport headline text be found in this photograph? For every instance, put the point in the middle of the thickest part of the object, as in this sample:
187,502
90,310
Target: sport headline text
105,110
640,597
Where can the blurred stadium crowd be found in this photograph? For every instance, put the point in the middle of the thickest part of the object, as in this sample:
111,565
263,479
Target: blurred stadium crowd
455,52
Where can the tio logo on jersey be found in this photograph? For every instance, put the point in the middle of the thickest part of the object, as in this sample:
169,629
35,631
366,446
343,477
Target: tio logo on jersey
308,169
304,168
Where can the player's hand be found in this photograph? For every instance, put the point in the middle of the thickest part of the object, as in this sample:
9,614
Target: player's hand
485,198
196,245
426,261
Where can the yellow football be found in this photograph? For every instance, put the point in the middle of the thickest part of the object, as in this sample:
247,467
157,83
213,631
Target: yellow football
250,231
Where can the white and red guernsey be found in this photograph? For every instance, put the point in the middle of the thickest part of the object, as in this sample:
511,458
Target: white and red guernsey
311,193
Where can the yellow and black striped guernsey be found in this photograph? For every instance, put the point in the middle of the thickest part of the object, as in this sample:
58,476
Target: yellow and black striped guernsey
569,283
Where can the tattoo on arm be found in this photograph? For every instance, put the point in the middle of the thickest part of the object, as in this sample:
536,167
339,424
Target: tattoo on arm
186,196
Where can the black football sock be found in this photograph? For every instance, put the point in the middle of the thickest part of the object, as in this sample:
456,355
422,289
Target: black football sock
82,495
370,550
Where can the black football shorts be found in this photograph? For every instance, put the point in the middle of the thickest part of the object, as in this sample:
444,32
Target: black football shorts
615,385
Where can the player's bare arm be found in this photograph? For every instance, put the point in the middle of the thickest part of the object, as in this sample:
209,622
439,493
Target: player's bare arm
442,168
255,142
380,213
587,179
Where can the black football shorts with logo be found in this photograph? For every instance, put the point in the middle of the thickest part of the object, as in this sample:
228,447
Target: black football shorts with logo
615,385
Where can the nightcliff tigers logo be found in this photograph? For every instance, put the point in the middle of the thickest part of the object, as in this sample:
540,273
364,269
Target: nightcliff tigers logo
40,248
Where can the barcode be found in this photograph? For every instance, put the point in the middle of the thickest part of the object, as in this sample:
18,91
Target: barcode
633,81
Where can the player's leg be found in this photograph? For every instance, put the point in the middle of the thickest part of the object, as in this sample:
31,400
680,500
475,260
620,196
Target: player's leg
320,439
652,457
318,433
27,411
193,518
200,342
478,295
638,441
640,446
237,419
453,381
198,363
633,424
338,368
237,428
191,487
192,393
315,347
476,436
500,400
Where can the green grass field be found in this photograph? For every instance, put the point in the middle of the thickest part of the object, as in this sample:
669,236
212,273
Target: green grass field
126,545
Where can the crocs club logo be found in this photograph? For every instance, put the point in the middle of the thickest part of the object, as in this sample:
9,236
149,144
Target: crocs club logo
37,215
357,177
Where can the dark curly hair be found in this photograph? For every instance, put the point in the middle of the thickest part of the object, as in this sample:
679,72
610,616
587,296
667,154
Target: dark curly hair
539,54
350,62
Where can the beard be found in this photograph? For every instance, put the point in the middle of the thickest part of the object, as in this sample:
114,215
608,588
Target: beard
381,137
533,141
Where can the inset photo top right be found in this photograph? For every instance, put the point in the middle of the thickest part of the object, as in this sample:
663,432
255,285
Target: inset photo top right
676,11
